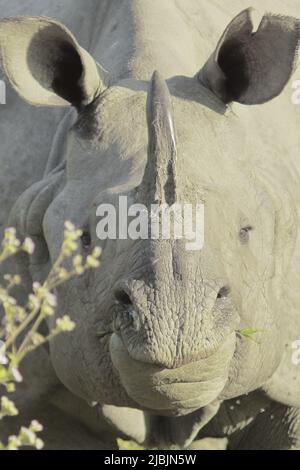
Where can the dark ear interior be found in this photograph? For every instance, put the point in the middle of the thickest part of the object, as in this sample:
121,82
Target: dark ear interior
232,61
59,67
68,72
252,64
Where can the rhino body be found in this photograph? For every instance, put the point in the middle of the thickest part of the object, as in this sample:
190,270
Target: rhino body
185,374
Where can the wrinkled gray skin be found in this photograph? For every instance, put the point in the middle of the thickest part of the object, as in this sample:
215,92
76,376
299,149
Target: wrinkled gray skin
183,373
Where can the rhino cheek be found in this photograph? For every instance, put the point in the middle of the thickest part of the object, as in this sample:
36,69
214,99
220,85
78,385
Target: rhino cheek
173,391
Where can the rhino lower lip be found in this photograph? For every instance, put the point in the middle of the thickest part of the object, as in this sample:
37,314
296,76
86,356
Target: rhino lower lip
175,391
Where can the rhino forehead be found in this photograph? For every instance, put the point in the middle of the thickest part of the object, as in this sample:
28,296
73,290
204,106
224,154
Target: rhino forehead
113,130
110,139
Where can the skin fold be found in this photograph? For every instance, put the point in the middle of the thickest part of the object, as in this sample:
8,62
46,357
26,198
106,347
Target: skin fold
156,354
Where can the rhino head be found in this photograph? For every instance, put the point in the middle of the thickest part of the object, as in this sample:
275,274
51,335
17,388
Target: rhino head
157,324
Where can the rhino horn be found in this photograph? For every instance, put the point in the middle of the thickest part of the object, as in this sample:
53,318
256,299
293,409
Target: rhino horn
159,184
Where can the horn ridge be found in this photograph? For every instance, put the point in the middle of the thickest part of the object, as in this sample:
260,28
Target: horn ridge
159,183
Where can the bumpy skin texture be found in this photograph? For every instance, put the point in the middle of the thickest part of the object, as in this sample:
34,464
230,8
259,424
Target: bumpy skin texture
185,372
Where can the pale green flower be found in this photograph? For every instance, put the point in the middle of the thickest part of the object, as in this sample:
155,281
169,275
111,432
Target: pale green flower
14,280
10,243
71,235
34,302
91,262
65,324
96,252
39,444
77,264
37,339
69,247
47,310
13,443
63,274
3,357
16,375
8,408
51,299
69,226
27,437
41,303
35,426
28,246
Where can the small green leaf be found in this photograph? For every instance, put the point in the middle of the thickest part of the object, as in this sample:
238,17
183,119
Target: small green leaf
249,332
128,445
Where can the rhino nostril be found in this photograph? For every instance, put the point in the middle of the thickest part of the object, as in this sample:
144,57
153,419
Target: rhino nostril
223,292
126,315
126,319
123,298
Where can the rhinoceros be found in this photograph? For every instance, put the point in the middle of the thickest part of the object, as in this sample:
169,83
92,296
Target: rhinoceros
161,102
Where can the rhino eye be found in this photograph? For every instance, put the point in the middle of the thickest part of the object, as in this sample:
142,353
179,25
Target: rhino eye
244,234
223,292
86,239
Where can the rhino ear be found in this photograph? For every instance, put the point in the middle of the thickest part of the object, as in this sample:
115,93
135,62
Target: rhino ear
254,58
46,65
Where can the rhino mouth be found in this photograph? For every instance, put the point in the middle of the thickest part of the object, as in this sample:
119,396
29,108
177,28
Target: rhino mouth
177,391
